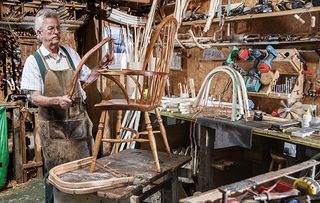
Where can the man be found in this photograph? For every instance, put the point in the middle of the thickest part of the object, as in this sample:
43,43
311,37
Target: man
64,126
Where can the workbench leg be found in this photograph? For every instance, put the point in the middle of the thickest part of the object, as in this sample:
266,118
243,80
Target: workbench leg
18,165
23,116
37,145
170,192
205,176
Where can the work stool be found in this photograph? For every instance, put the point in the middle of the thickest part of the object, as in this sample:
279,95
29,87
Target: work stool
277,160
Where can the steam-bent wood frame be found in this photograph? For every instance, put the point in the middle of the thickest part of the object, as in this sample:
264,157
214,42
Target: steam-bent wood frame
82,187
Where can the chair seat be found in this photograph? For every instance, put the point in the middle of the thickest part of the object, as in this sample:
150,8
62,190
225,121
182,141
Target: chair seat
122,104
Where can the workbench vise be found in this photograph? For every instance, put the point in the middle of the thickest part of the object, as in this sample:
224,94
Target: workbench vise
266,64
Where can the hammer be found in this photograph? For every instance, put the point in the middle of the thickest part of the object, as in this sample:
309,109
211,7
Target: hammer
266,64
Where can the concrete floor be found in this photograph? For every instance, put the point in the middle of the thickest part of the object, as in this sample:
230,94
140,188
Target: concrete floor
30,192
33,192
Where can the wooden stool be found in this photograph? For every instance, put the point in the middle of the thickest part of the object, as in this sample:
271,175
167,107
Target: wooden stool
278,159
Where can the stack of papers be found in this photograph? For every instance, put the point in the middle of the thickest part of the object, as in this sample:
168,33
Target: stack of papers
303,132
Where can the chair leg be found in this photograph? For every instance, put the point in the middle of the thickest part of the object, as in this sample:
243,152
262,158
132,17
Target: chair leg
152,140
98,141
162,130
118,127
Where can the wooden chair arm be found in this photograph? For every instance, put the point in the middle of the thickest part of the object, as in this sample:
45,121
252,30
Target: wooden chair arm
85,58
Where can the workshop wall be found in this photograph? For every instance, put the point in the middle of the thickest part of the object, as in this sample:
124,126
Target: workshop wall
195,67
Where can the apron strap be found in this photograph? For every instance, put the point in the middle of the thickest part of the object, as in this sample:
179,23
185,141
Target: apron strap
42,66
40,63
68,57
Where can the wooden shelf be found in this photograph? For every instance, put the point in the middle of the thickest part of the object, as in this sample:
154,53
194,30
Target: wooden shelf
68,25
256,16
273,95
47,4
287,63
228,44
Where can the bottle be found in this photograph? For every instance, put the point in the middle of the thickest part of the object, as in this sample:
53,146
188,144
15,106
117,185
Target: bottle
306,119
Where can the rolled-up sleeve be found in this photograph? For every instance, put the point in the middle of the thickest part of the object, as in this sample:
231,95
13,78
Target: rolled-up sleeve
31,76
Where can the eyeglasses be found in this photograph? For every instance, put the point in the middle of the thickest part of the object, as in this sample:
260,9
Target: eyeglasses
52,28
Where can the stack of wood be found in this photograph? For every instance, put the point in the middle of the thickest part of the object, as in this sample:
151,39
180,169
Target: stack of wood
176,105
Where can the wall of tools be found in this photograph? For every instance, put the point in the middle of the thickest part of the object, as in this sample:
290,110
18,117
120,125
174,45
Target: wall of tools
255,26
10,63
18,39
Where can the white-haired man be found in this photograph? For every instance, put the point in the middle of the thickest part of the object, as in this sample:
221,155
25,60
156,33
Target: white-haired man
64,126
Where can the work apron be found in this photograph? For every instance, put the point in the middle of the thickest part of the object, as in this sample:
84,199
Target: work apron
66,134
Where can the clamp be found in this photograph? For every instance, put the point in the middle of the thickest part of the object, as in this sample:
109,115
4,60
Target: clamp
307,185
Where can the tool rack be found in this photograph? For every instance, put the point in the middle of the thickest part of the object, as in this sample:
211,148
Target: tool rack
286,65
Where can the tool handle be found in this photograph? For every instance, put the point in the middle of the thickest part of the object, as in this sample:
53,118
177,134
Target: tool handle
281,195
299,19
313,21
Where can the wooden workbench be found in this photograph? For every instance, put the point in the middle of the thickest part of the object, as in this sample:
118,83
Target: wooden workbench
207,138
139,164
309,141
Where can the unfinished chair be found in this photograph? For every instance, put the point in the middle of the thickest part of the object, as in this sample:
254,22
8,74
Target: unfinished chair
149,84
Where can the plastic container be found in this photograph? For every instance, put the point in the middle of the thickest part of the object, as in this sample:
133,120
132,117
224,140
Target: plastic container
4,153
306,119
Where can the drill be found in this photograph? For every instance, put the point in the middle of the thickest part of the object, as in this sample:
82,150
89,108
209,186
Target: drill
233,55
258,55
266,64
252,79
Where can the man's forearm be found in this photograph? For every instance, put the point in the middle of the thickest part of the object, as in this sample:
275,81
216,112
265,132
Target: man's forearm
44,101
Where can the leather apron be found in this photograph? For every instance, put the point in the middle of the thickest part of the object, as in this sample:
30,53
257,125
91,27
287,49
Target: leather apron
66,134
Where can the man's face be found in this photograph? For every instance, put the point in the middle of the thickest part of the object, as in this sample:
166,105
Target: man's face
50,32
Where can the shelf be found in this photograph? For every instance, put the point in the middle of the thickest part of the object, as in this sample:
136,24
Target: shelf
286,64
256,16
226,44
47,4
68,25
273,95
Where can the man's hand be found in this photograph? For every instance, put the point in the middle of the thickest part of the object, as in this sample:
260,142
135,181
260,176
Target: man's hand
65,102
